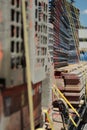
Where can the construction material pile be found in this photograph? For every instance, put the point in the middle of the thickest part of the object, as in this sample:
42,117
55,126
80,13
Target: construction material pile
65,19
61,35
71,80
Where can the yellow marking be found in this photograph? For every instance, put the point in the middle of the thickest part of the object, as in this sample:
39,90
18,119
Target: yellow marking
73,121
48,117
57,90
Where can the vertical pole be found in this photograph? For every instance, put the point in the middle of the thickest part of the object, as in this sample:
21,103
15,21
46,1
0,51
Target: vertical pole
30,100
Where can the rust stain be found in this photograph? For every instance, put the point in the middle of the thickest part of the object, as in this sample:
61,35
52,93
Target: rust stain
1,52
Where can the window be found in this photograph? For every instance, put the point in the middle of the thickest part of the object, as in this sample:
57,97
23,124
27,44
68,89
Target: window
12,2
22,46
36,26
12,31
12,15
17,3
17,31
36,13
12,63
41,39
83,39
17,16
46,7
36,2
17,62
42,51
17,47
12,46
39,5
22,33
46,18
45,68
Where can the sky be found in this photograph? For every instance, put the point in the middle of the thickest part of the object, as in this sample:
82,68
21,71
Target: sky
82,5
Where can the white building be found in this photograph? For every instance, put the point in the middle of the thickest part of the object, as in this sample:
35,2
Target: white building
83,39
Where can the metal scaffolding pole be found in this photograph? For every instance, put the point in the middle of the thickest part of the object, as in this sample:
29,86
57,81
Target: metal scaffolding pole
30,100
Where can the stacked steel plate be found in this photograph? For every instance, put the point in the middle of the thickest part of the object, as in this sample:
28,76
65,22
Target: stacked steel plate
63,16
71,80
61,35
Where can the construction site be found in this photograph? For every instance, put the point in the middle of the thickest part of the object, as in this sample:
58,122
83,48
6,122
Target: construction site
43,66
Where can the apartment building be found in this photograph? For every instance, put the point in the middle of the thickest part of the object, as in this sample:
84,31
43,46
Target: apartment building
38,39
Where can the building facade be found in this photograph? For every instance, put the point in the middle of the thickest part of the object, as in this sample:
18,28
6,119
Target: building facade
83,39
50,41
38,39
12,42
83,43
14,112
